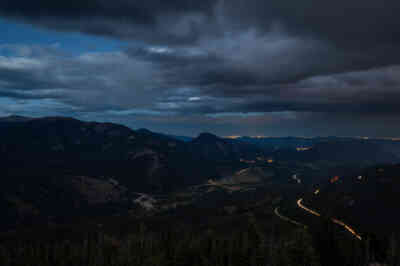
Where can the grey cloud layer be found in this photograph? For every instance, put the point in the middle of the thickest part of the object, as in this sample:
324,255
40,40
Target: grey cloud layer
326,59
200,81
359,23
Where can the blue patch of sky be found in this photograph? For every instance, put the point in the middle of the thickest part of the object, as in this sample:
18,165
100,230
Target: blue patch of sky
71,42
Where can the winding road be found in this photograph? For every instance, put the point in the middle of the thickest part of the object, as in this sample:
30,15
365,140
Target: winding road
315,213
276,211
300,204
334,220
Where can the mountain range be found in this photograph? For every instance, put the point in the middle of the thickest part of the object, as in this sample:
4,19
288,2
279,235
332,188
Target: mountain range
58,166
55,169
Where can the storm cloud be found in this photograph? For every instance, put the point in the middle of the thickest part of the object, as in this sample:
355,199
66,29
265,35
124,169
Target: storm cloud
357,22
215,65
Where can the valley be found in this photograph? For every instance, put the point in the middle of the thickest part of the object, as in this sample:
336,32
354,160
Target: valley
102,178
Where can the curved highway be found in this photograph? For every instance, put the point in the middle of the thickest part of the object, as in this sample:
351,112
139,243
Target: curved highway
315,213
287,219
336,221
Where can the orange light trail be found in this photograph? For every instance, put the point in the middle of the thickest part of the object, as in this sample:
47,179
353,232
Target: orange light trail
336,221
348,228
299,203
288,219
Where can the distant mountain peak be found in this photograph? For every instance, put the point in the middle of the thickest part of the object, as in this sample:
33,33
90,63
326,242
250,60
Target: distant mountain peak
207,137
15,118
58,118
144,131
18,118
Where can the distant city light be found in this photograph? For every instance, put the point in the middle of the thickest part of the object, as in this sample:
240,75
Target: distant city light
334,179
303,148
233,137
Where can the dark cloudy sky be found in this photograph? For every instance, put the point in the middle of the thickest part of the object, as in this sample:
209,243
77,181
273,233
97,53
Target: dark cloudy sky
237,67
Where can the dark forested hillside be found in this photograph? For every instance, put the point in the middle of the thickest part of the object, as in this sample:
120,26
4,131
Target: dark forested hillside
63,167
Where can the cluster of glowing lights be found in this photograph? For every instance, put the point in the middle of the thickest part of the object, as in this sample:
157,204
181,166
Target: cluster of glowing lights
233,137
303,148
334,179
237,137
258,159
303,137
247,161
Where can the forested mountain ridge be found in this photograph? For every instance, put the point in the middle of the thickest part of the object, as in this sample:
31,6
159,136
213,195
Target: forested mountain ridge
64,167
